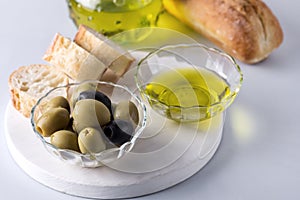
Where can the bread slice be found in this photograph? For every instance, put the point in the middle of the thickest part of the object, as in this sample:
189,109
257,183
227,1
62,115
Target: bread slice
28,83
75,61
109,76
111,54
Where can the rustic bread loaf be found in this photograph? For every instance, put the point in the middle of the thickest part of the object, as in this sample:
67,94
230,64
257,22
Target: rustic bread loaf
28,83
111,54
246,29
75,61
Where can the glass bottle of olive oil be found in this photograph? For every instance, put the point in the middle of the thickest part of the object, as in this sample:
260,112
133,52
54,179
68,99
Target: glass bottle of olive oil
187,94
113,16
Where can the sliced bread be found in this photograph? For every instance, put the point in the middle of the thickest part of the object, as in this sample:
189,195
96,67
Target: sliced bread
111,54
75,61
28,83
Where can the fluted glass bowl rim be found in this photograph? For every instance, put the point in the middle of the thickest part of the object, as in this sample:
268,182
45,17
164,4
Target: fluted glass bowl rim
126,147
235,65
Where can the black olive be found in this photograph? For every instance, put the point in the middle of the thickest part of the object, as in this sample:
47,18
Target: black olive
119,131
70,125
99,96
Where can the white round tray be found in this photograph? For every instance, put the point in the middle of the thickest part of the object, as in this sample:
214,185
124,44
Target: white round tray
142,172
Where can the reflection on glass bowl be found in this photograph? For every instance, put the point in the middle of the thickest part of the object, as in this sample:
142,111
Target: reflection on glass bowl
116,93
188,82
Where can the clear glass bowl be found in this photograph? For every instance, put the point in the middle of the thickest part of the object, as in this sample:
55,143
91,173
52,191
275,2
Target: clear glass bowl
188,82
116,93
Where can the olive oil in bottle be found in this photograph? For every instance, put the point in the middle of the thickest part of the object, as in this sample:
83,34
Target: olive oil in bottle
187,94
113,16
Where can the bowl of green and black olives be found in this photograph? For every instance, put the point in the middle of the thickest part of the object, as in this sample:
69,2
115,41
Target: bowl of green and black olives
90,123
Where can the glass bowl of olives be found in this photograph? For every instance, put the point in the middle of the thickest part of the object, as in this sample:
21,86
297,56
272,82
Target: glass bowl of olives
90,123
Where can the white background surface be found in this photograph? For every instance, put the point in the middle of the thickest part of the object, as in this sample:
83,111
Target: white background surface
259,155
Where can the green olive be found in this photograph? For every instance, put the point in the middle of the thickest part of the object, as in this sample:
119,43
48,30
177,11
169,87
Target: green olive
90,113
126,110
52,120
90,140
58,102
65,139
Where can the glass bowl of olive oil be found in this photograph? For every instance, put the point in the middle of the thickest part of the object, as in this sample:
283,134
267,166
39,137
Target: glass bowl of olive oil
188,82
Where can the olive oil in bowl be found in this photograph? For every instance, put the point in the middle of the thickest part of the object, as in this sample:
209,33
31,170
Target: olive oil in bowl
188,94
188,82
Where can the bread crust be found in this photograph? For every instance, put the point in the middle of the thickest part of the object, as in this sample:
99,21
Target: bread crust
28,83
246,29
75,61
112,55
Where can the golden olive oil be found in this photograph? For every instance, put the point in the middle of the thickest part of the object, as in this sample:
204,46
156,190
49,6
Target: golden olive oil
113,16
187,94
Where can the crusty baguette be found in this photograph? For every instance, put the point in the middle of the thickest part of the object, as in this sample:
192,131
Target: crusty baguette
246,29
75,61
111,54
28,83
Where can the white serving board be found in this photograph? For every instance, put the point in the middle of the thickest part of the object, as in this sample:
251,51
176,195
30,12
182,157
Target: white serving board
105,182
